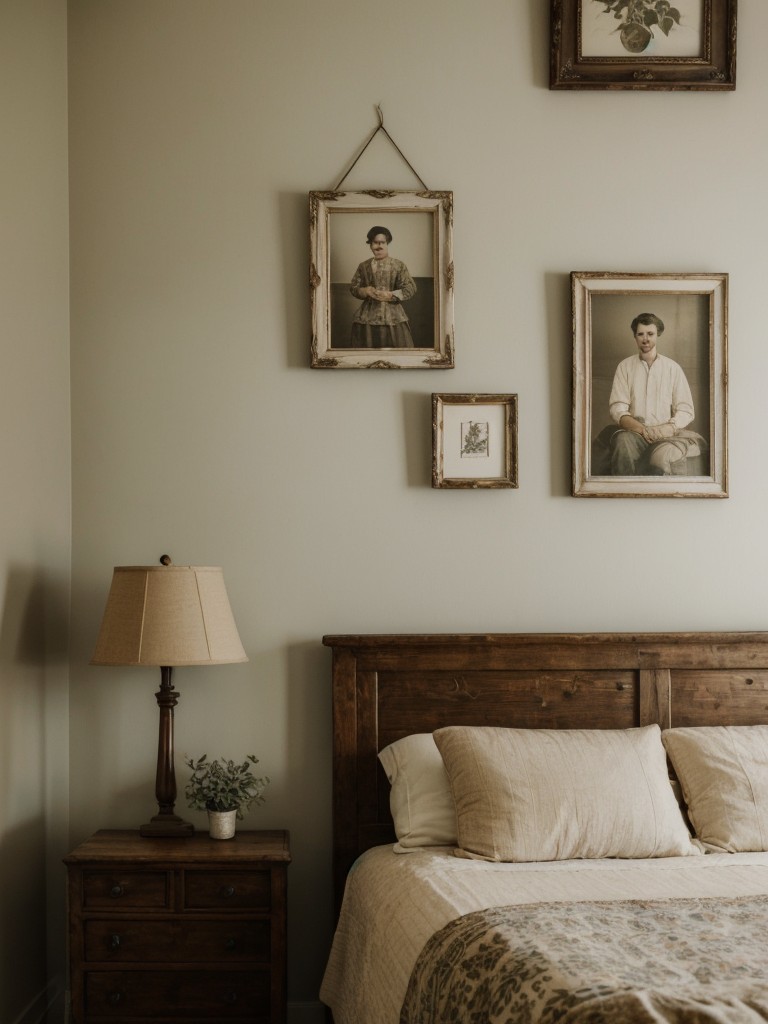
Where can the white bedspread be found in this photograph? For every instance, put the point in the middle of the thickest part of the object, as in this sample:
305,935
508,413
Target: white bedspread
394,902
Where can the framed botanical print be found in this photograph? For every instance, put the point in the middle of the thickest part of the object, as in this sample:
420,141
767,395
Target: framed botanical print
643,44
474,441
381,280
650,382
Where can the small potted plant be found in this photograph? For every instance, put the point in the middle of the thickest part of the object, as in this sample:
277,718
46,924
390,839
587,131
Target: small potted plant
225,789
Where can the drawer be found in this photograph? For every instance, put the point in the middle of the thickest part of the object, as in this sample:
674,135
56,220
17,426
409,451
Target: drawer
176,942
227,890
201,995
145,889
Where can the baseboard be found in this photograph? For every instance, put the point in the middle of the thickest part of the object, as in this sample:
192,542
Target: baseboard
46,1006
306,1013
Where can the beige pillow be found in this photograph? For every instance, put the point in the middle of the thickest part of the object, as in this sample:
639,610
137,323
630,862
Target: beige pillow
723,770
541,794
420,798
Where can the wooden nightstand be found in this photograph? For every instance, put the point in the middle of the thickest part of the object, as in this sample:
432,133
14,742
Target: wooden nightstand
179,930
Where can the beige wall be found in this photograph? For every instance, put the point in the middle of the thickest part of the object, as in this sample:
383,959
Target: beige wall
197,128
35,505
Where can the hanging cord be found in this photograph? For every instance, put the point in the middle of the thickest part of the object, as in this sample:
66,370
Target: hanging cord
379,128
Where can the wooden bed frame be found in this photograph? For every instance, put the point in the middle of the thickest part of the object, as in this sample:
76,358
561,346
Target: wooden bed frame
386,687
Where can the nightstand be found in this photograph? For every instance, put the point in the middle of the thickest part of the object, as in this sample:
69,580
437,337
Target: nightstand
184,930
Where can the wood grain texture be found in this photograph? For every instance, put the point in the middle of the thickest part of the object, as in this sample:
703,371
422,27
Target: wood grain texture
389,686
192,929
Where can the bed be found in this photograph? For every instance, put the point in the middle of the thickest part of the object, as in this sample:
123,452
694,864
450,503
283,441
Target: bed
612,892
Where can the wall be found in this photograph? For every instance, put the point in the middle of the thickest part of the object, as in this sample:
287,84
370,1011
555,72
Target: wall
35,506
197,129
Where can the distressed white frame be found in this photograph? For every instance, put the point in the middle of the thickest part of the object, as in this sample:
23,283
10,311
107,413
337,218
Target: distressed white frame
583,286
378,203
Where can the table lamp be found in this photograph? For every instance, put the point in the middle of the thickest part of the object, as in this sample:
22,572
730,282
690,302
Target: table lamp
167,615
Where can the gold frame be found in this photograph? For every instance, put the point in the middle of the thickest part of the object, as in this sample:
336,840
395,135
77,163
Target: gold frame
695,307
712,69
499,430
437,257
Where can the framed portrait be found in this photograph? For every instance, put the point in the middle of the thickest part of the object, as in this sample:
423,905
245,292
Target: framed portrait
650,380
643,44
381,280
474,441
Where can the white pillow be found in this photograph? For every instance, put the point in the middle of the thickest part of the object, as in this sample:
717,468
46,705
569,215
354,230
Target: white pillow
420,798
723,770
545,794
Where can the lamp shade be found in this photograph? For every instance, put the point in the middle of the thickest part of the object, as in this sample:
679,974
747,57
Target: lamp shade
168,615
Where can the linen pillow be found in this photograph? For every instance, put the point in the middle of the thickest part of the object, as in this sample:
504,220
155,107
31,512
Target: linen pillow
420,798
723,770
541,794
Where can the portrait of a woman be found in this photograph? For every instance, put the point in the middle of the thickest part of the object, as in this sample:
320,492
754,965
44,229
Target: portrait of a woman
383,283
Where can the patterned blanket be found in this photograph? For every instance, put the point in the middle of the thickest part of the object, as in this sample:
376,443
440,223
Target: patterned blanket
685,961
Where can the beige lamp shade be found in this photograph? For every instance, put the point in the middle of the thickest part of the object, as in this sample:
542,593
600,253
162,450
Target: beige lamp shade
168,615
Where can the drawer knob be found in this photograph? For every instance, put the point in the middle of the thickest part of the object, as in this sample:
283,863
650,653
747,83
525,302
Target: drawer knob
116,892
114,942
230,944
114,998
227,891
230,998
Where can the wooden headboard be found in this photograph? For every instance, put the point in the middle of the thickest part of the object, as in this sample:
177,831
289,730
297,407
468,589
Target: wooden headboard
386,687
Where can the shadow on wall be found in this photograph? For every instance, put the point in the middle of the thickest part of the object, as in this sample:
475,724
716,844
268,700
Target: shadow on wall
23,922
23,981
310,906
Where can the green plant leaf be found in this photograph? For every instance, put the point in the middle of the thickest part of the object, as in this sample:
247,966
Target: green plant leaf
224,785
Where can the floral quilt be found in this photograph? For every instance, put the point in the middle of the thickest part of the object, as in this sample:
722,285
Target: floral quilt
683,961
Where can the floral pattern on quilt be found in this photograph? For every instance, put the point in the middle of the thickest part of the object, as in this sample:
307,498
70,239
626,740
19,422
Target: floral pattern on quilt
683,961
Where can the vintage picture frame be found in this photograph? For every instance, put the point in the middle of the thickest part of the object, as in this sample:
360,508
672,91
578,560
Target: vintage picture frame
408,263
474,441
672,441
643,44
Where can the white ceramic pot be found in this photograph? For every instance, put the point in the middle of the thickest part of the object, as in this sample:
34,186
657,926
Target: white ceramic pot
221,824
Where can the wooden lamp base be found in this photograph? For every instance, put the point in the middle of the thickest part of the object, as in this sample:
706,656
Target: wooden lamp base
166,824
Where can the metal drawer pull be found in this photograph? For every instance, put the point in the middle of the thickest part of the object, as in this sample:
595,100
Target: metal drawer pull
230,944
227,891
114,942
116,892
114,998
231,998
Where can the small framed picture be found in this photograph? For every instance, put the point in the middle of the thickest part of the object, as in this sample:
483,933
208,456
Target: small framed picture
643,44
381,280
474,441
650,381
